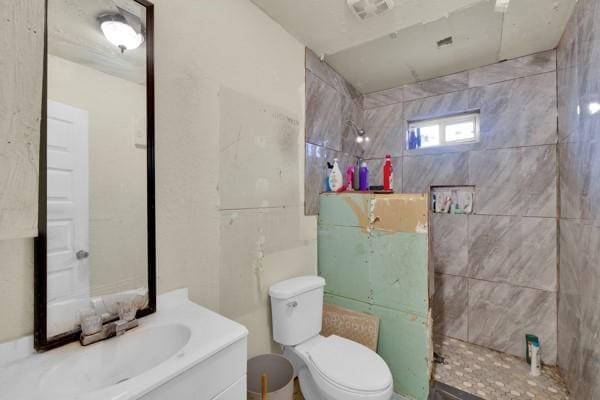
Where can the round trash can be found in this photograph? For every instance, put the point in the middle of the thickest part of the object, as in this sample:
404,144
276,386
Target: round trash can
280,377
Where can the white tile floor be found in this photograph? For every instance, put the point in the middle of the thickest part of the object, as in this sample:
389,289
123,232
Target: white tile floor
493,375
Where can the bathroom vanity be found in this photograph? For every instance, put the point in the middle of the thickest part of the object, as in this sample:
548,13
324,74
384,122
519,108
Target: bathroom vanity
183,351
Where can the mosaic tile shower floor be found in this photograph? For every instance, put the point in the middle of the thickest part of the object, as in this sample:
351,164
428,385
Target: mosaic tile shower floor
493,375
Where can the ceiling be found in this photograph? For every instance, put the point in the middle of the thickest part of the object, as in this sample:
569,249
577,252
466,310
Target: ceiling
400,46
74,34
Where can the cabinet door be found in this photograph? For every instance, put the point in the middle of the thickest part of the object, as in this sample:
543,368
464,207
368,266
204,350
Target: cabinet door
237,391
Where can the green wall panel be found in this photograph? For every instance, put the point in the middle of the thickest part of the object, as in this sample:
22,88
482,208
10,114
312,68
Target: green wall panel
398,269
344,261
373,253
344,209
403,343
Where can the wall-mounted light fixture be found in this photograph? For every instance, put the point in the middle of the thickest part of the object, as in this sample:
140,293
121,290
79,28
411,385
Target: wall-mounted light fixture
120,32
360,133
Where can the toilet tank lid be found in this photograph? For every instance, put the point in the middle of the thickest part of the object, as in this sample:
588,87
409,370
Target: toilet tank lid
295,286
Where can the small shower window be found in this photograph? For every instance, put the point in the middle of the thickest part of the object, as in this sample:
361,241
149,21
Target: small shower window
445,131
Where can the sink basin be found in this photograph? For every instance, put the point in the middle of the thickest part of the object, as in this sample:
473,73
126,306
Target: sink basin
183,351
115,360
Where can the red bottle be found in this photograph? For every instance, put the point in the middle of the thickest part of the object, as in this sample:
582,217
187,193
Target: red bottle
388,174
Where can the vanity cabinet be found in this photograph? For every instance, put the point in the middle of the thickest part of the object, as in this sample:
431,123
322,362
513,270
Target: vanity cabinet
222,376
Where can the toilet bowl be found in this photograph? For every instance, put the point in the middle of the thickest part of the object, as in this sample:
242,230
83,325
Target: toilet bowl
329,368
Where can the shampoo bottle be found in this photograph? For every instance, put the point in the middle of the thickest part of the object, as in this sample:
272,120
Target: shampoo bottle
349,178
536,365
336,180
388,174
364,177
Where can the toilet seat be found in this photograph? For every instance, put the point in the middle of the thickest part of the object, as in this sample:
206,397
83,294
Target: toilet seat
344,370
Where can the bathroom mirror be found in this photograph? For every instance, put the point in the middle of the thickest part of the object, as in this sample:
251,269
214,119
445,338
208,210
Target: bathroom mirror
96,245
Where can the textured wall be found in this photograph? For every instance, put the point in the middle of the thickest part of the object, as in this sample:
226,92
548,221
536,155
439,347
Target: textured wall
215,234
579,166
21,46
508,248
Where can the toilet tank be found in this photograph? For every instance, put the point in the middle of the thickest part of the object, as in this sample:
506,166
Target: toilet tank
296,309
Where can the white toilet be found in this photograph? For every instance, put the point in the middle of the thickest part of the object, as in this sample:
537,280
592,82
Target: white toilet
329,368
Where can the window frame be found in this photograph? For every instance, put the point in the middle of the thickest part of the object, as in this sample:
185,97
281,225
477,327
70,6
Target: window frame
443,122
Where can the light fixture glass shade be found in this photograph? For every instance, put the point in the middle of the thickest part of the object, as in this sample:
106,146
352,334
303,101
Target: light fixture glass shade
121,35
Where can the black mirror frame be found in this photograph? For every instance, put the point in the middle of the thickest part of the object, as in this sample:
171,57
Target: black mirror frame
40,338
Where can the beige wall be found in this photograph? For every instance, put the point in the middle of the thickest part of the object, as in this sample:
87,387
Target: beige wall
201,47
21,28
21,37
117,171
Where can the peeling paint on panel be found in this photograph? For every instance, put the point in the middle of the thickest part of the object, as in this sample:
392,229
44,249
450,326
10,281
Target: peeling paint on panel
401,212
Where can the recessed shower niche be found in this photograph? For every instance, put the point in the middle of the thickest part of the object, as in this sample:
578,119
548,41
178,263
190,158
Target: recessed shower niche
452,199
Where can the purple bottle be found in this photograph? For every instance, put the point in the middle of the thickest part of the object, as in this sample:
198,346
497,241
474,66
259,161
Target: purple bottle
364,177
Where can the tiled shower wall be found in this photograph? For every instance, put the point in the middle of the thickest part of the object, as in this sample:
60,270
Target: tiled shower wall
330,102
496,270
579,155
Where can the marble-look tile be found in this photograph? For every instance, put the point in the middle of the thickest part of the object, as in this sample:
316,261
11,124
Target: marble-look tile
580,257
449,245
320,68
516,250
590,348
316,171
569,337
384,125
383,98
516,68
450,306
375,166
323,114
588,99
501,314
580,180
351,111
423,171
569,110
519,181
519,112
436,106
329,75
436,86
588,33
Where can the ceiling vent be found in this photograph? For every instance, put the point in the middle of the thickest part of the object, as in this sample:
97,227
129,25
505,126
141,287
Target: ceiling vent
365,9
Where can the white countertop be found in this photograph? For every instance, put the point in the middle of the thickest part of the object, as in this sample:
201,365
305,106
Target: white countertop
27,378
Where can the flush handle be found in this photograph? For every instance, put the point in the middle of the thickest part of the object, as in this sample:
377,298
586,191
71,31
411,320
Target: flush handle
292,304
